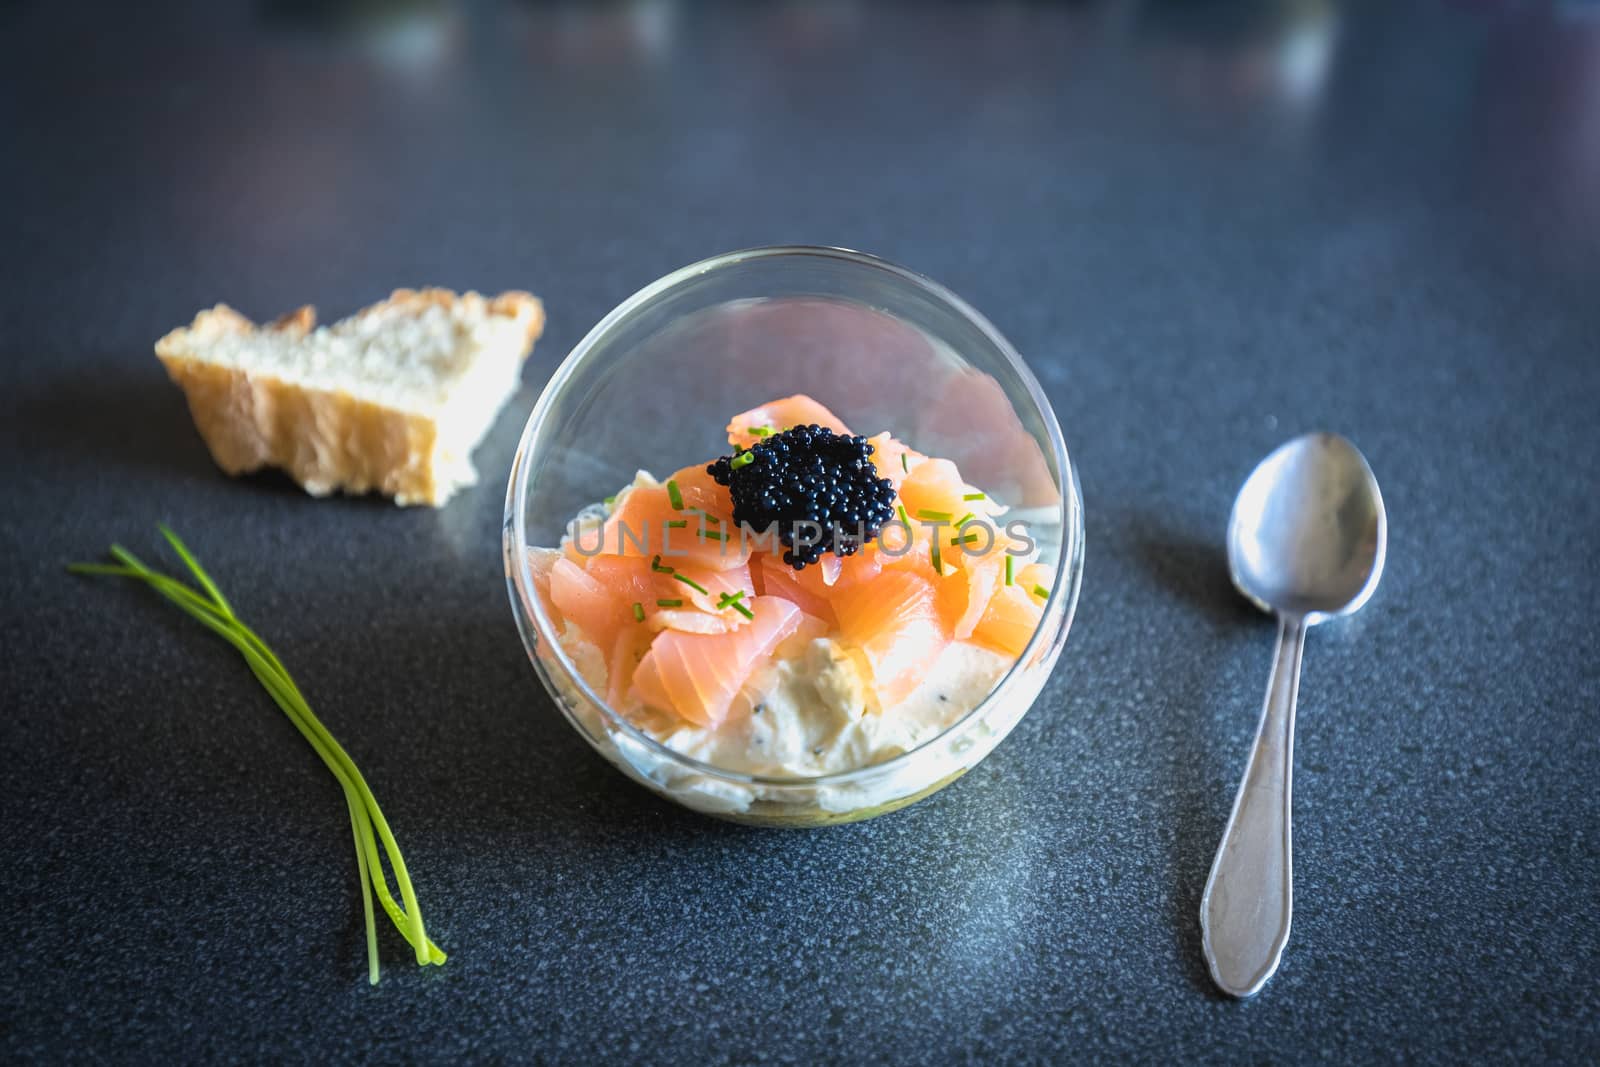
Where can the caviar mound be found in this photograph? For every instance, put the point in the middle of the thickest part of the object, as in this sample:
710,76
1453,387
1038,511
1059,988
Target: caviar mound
819,489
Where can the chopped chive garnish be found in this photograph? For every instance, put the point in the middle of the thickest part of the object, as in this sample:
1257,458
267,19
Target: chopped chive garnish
678,524
638,612
965,539
692,584
743,459
761,431
611,501
673,494
1009,579
963,520
669,603
901,508
938,561
973,496
1040,591
933,516
731,600
904,463
210,608
706,516
713,535
659,567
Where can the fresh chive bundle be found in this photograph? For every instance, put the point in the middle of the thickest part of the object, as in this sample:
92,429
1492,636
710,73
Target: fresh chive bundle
368,826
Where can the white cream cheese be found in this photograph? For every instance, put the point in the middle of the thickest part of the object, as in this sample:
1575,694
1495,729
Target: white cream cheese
810,712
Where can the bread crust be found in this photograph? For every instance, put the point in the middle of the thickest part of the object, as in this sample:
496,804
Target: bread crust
326,439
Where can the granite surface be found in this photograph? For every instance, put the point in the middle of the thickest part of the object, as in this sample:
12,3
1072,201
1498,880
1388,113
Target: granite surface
1207,228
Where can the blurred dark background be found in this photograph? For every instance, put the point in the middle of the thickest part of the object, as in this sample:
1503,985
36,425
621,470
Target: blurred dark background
1207,226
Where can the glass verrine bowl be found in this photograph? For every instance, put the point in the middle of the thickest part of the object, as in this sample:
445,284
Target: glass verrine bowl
651,388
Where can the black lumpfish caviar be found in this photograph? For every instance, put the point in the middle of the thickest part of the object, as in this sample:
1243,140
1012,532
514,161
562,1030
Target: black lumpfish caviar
808,474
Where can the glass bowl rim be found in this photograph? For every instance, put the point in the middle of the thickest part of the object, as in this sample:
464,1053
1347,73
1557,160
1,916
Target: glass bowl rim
1063,592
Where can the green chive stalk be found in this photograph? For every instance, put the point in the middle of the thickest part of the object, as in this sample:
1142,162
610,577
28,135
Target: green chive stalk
368,826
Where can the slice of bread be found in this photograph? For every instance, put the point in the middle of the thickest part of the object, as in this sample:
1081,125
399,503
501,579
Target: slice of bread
392,399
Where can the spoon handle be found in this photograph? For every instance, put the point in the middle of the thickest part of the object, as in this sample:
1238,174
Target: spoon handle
1244,914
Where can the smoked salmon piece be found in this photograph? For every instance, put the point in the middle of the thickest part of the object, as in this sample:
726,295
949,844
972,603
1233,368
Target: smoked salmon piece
861,567
586,602
540,561
892,458
600,599
647,582
700,491
691,621
1013,612
702,613
894,620
634,578
1035,574
627,648
646,524
915,556
964,595
812,589
628,578
779,415
698,675
934,488
804,588
935,500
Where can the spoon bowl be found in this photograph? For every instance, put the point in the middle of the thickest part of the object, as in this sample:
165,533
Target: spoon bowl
1308,531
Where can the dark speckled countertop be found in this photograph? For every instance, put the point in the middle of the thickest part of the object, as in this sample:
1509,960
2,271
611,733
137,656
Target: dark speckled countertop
1207,228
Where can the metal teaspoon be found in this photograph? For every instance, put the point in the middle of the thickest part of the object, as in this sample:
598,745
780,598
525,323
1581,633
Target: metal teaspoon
1306,542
